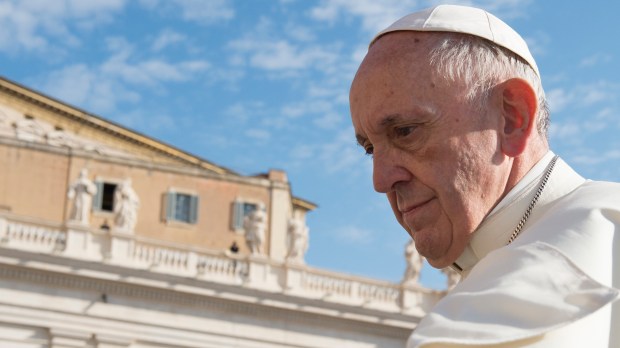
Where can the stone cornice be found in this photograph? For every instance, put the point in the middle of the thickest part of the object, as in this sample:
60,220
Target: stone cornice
115,130
210,297
112,253
139,163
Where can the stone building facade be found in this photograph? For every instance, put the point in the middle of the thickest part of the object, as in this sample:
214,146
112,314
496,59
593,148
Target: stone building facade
110,238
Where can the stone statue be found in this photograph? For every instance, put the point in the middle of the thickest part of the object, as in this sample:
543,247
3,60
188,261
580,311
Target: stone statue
126,203
414,264
4,119
452,276
59,138
255,224
297,240
28,129
81,192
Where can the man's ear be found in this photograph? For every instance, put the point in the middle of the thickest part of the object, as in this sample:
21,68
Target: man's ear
519,106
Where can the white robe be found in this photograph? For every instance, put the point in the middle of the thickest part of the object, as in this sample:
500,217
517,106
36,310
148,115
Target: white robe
552,287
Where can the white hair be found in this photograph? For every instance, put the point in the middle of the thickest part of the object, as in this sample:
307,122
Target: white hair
481,64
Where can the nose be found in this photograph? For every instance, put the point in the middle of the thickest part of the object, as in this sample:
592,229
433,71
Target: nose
388,170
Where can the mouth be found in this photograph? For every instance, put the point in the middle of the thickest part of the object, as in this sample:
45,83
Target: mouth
414,208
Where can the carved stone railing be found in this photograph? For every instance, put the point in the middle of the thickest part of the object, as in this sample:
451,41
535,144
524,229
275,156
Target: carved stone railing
226,267
155,255
30,236
378,293
258,272
330,286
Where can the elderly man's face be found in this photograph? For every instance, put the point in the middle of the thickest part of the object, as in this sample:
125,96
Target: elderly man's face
434,154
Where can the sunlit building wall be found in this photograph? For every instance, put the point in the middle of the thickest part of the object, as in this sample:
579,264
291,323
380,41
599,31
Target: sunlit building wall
110,238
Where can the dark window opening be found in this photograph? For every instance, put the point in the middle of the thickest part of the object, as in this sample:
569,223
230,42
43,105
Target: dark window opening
104,199
107,197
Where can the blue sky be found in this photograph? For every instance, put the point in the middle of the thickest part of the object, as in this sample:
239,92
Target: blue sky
259,84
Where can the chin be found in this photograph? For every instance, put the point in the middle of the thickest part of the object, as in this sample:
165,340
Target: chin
439,263
434,258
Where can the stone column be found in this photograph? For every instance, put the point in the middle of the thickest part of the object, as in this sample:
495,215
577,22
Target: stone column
279,214
67,338
3,231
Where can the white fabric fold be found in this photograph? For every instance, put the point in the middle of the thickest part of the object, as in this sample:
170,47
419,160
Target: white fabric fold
536,290
495,230
551,286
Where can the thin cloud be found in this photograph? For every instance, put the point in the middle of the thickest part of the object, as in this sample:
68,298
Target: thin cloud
310,106
88,88
40,25
340,155
300,32
238,111
149,121
377,15
197,11
565,131
583,95
329,120
301,152
354,235
281,55
504,9
597,92
374,15
596,59
119,79
343,154
593,109
206,12
538,43
149,72
598,158
19,30
274,49
258,134
558,99
167,38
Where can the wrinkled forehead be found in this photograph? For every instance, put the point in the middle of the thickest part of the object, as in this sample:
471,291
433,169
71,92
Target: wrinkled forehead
394,57
396,51
401,47
394,76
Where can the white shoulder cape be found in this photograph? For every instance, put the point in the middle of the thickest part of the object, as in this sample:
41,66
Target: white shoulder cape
550,288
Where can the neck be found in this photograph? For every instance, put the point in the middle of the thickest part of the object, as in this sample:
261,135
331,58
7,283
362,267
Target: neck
523,163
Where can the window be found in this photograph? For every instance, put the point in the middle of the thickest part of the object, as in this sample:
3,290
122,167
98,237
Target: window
181,207
240,211
104,198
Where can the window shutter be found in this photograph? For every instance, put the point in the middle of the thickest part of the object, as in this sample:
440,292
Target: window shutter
238,215
97,200
170,206
193,209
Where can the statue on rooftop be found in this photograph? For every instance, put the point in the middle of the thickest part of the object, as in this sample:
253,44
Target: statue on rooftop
126,203
414,264
297,240
255,224
452,277
81,192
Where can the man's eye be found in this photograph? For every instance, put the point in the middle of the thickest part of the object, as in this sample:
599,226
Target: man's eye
404,131
369,149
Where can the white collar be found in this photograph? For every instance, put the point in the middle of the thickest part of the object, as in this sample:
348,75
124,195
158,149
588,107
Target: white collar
487,236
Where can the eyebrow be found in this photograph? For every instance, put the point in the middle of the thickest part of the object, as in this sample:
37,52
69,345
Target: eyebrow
386,122
392,119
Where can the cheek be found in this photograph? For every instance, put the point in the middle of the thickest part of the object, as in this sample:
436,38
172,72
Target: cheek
453,178
391,196
435,240
467,189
